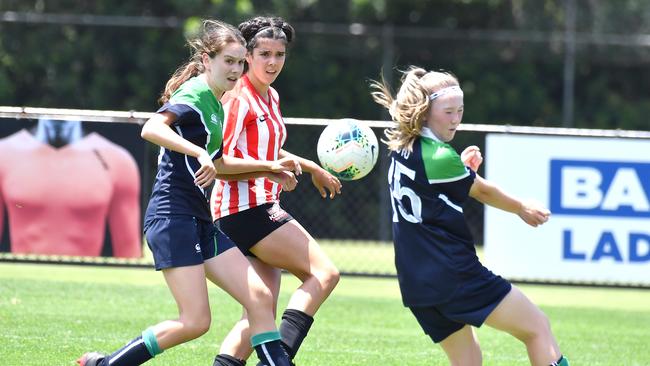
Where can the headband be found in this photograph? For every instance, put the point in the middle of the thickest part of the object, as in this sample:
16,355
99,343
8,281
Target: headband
448,90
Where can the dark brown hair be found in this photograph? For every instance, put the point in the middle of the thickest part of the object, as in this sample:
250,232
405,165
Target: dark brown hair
212,39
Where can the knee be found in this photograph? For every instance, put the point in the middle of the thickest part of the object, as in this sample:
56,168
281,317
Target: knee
196,326
539,327
261,297
329,277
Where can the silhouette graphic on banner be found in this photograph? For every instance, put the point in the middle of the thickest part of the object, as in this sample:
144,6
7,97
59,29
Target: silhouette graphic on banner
61,188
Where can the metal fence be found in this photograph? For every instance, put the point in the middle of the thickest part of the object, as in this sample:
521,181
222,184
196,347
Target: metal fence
354,228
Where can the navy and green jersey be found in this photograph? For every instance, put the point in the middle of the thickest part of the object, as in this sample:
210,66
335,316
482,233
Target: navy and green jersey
199,119
434,249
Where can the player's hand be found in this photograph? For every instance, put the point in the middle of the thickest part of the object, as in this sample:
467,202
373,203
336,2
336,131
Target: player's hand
472,157
323,180
206,174
286,164
533,213
286,179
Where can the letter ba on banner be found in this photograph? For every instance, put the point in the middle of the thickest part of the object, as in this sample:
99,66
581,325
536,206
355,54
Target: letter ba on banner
598,190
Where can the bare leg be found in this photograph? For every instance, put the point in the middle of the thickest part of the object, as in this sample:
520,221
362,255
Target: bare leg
234,274
237,342
292,248
517,315
462,348
187,285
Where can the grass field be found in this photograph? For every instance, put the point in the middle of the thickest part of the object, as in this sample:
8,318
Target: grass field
50,314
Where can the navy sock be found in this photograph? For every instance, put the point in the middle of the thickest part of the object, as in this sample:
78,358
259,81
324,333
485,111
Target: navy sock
134,353
293,329
269,350
227,360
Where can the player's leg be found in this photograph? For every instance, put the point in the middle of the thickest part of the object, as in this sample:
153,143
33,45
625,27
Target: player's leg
462,347
457,339
517,315
292,248
237,342
172,243
232,272
187,285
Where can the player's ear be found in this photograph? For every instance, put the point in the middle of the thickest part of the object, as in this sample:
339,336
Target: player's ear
205,59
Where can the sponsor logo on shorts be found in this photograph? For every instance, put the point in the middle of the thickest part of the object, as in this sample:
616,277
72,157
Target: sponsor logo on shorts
197,246
276,213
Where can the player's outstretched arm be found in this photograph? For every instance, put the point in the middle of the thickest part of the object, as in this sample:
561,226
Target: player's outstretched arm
321,178
486,192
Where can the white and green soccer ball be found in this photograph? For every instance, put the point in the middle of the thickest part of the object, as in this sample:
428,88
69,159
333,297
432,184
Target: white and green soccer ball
348,149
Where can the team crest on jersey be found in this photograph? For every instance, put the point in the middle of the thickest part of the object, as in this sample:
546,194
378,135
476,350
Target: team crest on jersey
214,119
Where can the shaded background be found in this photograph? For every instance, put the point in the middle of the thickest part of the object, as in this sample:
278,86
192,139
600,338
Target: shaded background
581,63
552,63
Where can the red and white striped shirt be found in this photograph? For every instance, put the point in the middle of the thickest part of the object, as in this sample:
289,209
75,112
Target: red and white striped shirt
252,129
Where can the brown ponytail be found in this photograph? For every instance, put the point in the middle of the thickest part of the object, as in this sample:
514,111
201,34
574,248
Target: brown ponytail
214,36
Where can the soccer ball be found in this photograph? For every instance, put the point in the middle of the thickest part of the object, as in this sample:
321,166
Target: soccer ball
347,149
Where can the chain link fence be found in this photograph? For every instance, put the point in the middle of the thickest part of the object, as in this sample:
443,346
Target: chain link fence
354,228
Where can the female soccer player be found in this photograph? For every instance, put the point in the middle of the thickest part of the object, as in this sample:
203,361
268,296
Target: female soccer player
186,246
440,277
248,210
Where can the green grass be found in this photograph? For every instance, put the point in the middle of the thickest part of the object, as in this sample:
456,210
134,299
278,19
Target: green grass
51,314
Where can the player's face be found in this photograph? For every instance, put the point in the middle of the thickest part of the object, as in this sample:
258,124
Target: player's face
266,60
224,69
444,116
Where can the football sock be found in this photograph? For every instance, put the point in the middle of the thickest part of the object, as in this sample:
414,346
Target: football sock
227,360
294,328
269,350
136,352
561,362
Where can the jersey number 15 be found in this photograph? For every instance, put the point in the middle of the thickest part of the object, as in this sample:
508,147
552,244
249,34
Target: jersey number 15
398,193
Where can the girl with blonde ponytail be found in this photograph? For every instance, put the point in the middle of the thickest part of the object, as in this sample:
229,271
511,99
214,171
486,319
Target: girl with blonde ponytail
441,279
186,246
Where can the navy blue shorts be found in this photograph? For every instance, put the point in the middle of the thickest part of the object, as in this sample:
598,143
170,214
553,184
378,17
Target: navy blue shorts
179,241
471,304
246,228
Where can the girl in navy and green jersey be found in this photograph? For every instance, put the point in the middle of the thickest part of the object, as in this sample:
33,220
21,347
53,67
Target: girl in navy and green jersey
186,246
441,279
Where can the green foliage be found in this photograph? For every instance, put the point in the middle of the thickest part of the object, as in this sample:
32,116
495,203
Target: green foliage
507,54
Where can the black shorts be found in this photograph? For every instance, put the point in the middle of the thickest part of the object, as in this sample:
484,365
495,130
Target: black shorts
246,228
179,241
471,304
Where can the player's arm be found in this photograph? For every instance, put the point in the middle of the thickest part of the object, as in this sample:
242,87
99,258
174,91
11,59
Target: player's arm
230,165
236,115
158,131
488,193
320,177
286,179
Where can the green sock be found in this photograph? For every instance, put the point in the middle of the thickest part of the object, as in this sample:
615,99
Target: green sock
561,362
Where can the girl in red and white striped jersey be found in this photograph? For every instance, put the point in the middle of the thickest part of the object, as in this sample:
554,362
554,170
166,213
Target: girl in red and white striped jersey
246,206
